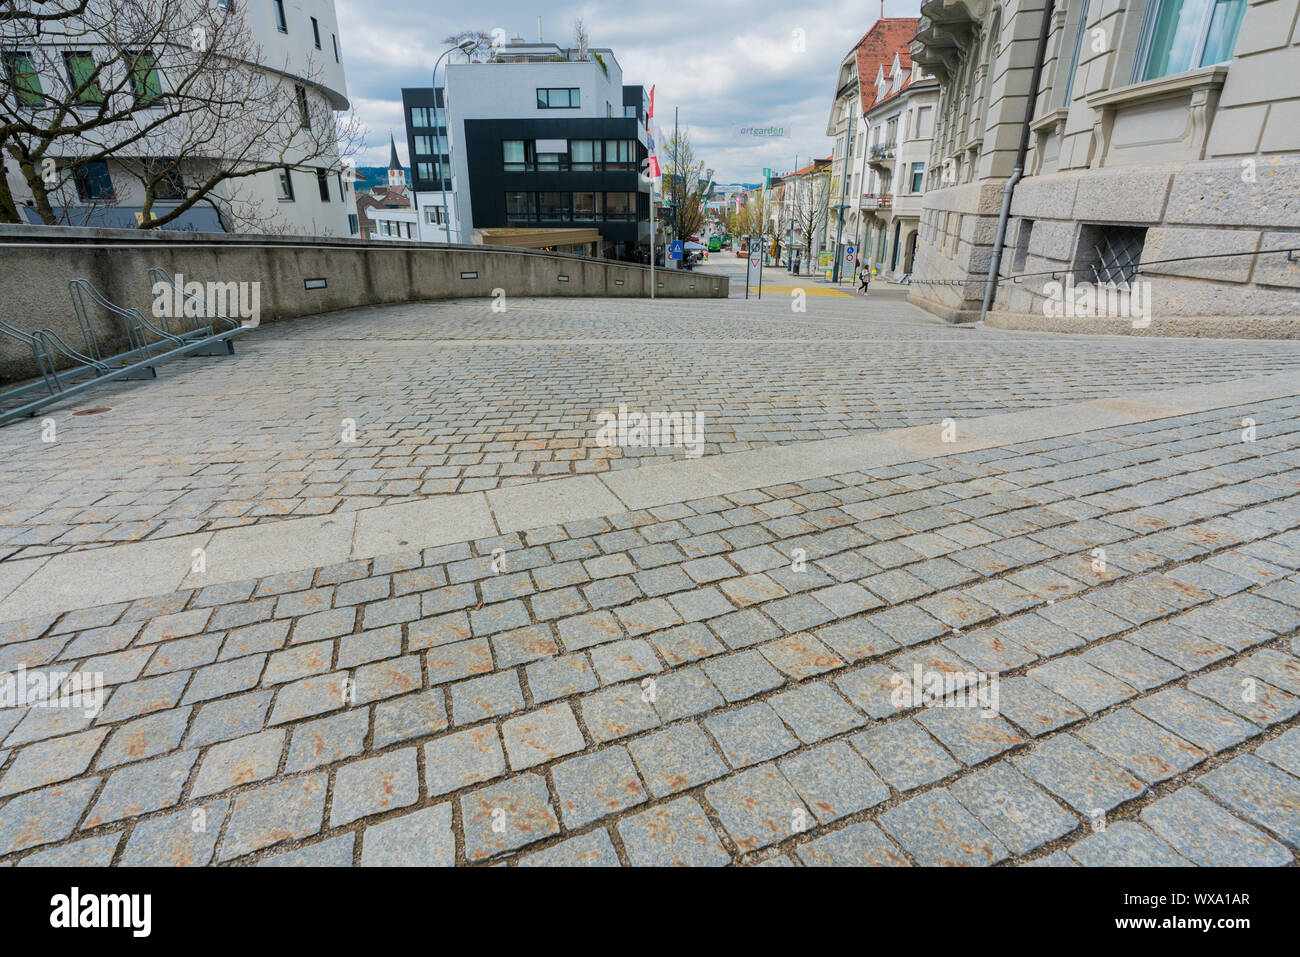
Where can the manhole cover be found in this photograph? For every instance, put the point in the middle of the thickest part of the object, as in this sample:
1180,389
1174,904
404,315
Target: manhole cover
95,411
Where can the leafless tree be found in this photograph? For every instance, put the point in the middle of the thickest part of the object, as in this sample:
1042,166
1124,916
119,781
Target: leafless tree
580,38
480,51
175,93
809,206
682,184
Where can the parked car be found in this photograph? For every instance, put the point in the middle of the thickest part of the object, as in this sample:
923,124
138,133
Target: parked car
715,244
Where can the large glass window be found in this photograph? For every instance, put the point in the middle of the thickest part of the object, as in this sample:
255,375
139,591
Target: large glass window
424,145
552,162
82,79
585,206
619,154
553,205
558,98
620,206
146,85
514,155
918,176
585,155
521,206
420,117
26,81
1186,34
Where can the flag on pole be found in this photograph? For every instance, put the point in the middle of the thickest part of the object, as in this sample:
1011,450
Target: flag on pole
652,155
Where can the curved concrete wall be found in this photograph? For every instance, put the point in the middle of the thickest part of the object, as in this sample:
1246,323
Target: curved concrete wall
36,263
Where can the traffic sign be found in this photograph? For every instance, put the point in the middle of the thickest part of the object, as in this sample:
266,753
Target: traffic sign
675,249
848,255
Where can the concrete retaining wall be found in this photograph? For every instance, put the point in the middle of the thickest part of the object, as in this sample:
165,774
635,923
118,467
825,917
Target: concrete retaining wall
36,263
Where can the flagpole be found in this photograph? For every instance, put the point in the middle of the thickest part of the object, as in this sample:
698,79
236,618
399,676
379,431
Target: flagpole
652,239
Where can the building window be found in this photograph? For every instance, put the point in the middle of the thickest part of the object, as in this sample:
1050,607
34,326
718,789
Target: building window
284,183
424,171
629,113
1186,34
553,205
619,155
918,177
620,206
424,145
521,206
280,23
82,79
146,86
586,206
585,155
323,184
354,225
1072,65
433,215
93,182
420,117
26,81
334,37
517,156
227,5
168,185
558,98
923,120
315,32
552,160
304,115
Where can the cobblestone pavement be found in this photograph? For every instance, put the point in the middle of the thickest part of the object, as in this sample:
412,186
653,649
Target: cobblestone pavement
451,397
710,682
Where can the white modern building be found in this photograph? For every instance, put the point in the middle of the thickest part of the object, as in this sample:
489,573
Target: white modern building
299,60
544,146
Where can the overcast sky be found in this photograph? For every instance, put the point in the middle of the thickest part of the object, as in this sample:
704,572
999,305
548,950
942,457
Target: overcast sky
723,63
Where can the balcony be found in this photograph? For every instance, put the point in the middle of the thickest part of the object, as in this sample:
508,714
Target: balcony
882,157
872,201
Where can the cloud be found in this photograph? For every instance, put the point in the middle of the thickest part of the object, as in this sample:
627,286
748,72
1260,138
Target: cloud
723,64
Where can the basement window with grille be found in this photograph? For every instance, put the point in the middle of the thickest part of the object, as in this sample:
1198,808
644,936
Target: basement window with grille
1108,254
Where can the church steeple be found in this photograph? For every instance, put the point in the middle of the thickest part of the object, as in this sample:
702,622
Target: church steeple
395,175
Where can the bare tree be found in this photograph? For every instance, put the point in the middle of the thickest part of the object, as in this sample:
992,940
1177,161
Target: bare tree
580,38
682,184
809,205
481,50
176,93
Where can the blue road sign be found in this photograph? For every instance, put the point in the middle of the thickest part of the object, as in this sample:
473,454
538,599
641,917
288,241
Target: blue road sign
675,249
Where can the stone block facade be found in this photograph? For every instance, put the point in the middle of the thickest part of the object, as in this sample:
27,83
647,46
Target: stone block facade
1188,179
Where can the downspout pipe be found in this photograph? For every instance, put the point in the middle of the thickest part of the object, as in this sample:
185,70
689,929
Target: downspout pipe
999,241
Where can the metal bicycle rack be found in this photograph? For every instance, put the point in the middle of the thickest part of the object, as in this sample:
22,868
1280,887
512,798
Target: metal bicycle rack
209,333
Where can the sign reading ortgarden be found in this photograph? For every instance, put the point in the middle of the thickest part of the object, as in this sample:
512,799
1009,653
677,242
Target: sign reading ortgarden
773,131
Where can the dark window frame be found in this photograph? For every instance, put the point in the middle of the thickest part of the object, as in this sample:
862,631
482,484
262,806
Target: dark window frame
281,22
572,93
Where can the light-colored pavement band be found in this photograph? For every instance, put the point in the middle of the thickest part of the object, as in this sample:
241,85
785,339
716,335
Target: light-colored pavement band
83,579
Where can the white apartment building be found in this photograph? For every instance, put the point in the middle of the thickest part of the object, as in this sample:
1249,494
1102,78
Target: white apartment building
542,140
298,55
900,125
881,119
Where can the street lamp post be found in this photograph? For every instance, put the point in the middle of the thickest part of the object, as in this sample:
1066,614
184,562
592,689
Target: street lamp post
465,46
